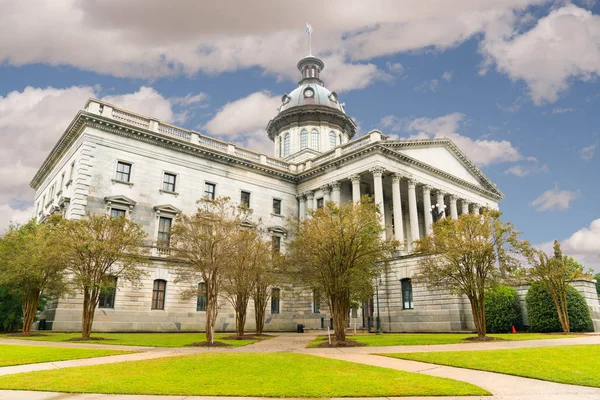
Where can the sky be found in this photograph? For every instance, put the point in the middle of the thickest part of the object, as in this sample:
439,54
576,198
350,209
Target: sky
514,83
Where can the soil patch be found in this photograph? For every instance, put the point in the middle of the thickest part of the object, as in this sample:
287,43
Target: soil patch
30,335
484,339
92,339
346,343
208,344
247,337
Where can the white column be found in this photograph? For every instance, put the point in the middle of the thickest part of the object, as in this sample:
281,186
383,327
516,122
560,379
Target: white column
326,193
397,207
453,209
476,209
355,187
310,203
378,180
412,210
302,207
335,189
465,206
427,208
440,203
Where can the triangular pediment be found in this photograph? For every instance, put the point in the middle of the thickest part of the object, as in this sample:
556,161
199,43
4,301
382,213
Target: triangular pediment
120,199
167,208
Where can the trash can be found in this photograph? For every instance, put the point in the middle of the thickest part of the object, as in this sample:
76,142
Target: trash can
300,328
42,325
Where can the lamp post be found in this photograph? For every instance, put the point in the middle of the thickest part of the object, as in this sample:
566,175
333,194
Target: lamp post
437,212
378,321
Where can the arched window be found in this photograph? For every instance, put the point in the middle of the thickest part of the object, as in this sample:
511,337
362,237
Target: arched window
407,296
158,294
275,296
331,139
201,301
286,145
303,139
314,140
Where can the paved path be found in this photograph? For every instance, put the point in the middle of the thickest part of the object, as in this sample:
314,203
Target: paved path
503,387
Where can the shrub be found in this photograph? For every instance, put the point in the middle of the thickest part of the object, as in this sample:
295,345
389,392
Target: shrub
502,310
11,312
597,278
542,312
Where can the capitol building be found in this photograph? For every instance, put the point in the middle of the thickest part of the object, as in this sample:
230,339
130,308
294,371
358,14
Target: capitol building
110,160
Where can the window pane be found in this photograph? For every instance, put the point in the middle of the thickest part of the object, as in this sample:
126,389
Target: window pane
123,171
209,191
314,141
169,182
245,199
303,139
201,302
316,302
164,230
320,203
275,301
107,294
276,206
331,140
116,213
276,242
286,144
406,294
158,294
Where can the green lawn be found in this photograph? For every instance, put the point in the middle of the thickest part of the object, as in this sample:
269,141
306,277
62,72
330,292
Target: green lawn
137,339
576,365
412,339
18,355
241,374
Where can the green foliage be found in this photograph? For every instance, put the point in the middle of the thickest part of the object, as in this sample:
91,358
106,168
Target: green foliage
502,310
11,312
542,314
597,278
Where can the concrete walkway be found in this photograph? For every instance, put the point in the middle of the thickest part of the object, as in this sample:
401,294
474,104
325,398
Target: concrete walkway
504,387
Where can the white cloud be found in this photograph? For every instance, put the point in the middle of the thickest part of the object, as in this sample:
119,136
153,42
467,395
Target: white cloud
395,68
562,110
554,199
562,46
31,122
447,76
428,86
512,107
482,152
9,215
135,38
532,166
583,245
588,152
244,120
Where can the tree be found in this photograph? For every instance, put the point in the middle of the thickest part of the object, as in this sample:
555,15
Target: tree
338,251
502,310
239,279
264,277
555,272
202,249
11,310
31,263
597,278
100,248
466,256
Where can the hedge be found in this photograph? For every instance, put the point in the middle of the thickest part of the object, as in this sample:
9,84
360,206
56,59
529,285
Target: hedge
542,312
502,310
11,312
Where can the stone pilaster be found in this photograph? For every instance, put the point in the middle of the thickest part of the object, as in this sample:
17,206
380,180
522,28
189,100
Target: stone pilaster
397,207
378,180
355,179
427,208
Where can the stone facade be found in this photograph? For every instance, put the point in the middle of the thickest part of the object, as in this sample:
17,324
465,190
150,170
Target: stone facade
405,177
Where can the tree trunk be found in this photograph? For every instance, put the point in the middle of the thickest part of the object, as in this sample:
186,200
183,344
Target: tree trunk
560,302
90,301
31,299
240,314
339,310
478,316
211,308
260,299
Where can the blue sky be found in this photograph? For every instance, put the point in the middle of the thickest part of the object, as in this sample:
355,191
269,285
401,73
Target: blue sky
513,82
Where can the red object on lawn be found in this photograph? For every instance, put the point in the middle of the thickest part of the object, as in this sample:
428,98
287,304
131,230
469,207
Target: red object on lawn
513,329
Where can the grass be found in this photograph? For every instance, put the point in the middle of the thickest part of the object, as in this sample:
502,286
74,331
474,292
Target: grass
413,339
576,365
137,339
19,355
241,374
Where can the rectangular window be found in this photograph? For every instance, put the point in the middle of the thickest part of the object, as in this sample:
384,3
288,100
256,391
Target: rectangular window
72,172
277,206
116,213
209,190
164,231
201,302
158,294
245,199
276,242
43,202
62,181
320,203
123,171
51,192
316,302
407,297
169,182
108,293
275,293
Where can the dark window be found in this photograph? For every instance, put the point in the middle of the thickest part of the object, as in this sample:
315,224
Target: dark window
201,303
275,301
116,213
107,293
158,294
209,190
123,171
276,242
276,206
316,302
164,231
169,182
407,297
245,199
320,203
